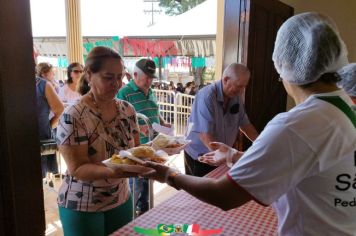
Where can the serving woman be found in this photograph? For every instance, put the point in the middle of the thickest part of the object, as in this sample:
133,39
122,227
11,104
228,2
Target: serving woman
303,162
93,199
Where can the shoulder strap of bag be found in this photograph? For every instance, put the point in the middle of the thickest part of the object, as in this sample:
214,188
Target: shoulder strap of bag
342,105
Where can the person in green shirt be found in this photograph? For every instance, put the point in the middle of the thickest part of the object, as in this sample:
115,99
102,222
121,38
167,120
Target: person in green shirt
138,92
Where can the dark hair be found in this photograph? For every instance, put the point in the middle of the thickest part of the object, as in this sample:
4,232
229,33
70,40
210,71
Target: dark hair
188,84
43,68
327,78
83,85
70,69
97,56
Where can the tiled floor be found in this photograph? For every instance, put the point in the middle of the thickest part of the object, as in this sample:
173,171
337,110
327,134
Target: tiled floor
53,224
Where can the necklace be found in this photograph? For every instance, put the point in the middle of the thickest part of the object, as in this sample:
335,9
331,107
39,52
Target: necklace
106,124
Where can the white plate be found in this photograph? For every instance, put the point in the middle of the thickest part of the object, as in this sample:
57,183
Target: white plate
127,154
173,151
108,163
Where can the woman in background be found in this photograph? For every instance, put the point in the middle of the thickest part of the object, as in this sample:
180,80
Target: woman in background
45,71
47,102
83,86
68,92
188,87
180,88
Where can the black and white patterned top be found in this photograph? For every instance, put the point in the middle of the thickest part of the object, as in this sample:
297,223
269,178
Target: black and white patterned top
81,125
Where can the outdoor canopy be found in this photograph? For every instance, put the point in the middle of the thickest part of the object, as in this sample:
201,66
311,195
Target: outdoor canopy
170,37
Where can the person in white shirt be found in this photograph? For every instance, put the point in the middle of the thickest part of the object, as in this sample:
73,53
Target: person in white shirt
68,92
303,163
348,80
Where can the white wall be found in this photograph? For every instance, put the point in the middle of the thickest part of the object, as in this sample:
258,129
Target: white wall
343,12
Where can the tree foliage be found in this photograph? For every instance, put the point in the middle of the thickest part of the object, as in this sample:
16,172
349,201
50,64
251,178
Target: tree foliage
176,7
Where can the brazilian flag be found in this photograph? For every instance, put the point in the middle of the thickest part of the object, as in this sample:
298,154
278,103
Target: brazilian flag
163,228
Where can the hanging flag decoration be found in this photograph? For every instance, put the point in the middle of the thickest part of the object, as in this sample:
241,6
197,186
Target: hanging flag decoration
62,62
149,48
198,62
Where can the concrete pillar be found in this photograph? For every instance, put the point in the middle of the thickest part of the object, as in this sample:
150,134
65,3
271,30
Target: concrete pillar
219,54
74,31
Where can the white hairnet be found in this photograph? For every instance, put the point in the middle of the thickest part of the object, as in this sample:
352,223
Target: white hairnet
348,79
307,46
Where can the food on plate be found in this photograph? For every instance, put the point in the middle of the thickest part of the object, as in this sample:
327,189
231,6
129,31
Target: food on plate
127,161
166,141
116,159
174,145
170,144
147,153
161,140
137,156
158,159
143,152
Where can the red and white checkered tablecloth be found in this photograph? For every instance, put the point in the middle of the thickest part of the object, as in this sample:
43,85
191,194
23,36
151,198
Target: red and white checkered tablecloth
250,219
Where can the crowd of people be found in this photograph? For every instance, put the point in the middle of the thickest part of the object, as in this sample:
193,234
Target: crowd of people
60,94
190,88
292,164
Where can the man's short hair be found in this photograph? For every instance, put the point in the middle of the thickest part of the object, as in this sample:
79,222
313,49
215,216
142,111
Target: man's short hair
234,69
138,71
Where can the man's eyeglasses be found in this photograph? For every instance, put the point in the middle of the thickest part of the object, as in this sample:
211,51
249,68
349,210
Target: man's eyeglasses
77,71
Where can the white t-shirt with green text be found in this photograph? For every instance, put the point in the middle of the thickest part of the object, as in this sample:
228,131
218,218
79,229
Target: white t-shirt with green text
303,163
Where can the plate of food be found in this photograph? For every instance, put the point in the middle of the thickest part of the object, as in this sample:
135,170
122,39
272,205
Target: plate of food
136,156
169,144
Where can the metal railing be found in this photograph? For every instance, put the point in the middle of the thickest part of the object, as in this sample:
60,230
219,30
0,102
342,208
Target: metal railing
165,101
150,181
175,108
183,108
